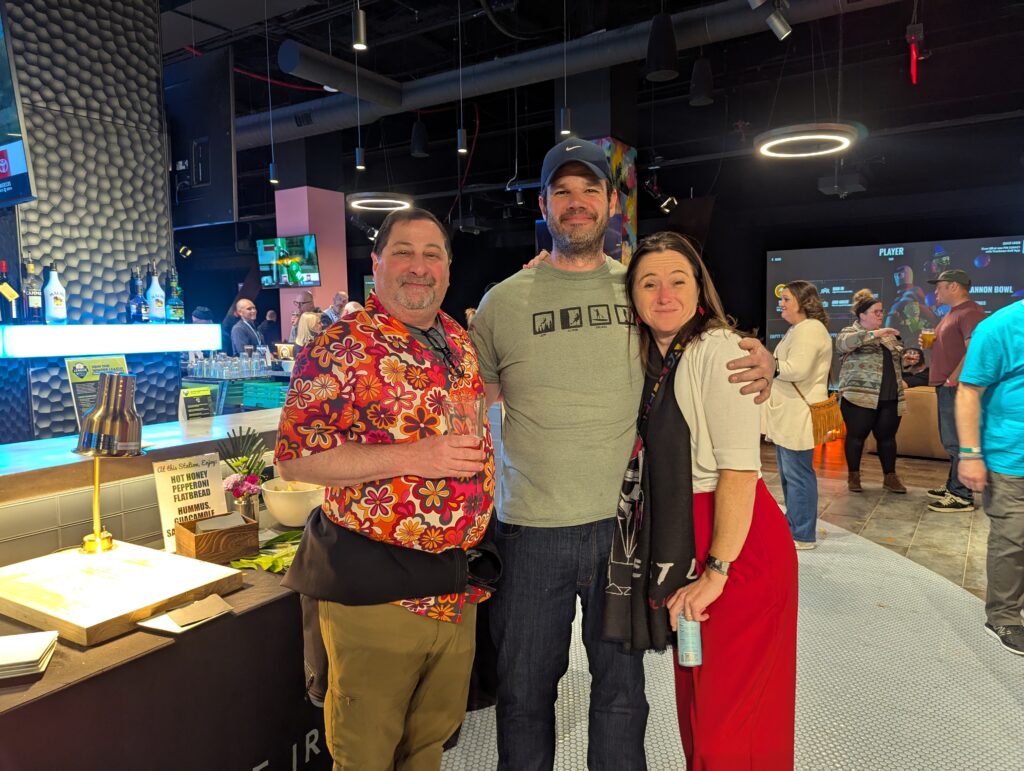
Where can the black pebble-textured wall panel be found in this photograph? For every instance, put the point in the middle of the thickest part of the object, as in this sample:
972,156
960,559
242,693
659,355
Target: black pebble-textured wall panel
90,82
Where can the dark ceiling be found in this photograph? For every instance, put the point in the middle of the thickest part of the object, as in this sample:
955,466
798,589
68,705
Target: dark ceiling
961,127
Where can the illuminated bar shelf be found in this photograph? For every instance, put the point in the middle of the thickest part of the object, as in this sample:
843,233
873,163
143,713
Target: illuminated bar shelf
39,341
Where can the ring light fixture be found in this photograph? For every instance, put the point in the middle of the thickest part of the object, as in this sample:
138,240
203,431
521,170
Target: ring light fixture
383,202
808,140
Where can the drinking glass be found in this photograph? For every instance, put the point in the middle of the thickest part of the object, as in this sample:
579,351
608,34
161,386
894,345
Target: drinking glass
466,414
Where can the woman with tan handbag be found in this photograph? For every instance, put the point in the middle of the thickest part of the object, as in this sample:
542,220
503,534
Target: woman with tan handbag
801,387
872,389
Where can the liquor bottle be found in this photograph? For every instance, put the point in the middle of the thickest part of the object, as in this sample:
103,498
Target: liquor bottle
138,308
155,297
55,298
10,300
175,305
32,289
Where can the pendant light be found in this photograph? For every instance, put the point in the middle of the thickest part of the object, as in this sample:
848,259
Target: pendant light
662,52
418,144
565,116
701,83
358,29
360,155
272,168
460,134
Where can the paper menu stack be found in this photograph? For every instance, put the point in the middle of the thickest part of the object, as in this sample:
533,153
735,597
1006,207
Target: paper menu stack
26,654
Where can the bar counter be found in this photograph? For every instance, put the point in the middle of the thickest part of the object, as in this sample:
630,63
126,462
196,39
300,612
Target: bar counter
50,466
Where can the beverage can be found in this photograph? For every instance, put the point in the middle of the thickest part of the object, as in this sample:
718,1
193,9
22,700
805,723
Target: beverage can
688,647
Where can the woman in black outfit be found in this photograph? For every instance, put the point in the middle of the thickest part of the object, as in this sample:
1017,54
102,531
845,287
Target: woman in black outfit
871,386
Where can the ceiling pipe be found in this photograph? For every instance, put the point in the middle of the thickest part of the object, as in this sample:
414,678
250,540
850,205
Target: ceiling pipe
318,67
693,28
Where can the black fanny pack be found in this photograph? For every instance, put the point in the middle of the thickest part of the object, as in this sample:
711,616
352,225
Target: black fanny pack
337,564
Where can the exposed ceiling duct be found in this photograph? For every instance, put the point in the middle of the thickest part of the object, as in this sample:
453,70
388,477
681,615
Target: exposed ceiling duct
693,28
326,70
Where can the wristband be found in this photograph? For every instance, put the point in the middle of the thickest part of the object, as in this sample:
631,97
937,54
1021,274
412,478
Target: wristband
719,566
971,456
971,450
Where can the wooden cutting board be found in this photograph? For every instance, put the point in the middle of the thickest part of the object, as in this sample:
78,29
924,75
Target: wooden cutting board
89,598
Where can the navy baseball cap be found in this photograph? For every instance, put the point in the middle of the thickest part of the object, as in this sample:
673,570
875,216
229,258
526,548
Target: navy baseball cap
574,150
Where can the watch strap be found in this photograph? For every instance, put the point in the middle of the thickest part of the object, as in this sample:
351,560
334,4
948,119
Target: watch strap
717,565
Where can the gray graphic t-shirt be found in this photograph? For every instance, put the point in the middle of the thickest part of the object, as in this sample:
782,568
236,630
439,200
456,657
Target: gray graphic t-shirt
562,348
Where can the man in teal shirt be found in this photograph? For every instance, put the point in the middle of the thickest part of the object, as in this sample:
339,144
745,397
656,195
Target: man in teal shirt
992,461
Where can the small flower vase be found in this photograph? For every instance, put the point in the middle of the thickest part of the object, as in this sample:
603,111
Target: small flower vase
248,506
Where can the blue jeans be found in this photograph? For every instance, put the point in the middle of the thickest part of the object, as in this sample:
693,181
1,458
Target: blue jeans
800,490
946,397
544,570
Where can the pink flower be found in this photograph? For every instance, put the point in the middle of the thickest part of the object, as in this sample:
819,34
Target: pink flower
236,492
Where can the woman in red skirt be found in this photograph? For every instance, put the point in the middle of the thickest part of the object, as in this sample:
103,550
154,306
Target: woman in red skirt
708,541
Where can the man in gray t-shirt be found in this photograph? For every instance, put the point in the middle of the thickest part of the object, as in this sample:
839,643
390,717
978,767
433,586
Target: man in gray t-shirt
556,342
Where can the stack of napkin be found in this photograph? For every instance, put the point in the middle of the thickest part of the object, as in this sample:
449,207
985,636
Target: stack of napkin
26,654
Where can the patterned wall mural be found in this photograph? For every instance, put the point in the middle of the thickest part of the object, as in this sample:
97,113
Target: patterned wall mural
622,158
90,77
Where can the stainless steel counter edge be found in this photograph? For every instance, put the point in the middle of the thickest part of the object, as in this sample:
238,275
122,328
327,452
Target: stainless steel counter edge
49,466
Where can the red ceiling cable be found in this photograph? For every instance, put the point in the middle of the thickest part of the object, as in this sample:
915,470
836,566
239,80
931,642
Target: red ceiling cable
469,159
257,76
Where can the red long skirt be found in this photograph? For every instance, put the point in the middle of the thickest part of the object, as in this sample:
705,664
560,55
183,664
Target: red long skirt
736,710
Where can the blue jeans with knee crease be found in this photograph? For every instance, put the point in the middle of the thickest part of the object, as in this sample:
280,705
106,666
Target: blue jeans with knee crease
545,570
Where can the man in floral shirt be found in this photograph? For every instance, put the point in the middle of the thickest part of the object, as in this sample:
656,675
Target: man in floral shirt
367,416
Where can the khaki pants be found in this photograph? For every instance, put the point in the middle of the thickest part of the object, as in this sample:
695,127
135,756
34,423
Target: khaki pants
398,684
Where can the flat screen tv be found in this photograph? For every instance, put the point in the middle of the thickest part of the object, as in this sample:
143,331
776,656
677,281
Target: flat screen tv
288,262
15,168
898,274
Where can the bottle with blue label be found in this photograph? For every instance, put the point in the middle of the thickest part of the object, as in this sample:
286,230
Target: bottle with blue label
155,297
688,647
175,304
55,298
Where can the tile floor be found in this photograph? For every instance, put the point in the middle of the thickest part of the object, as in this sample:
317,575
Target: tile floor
869,694
952,545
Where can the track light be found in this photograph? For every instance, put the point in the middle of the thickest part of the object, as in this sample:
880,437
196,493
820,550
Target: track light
668,204
360,159
184,251
701,83
777,23
662,53
460,138
359,30
418,143
520,198
272,173
565,121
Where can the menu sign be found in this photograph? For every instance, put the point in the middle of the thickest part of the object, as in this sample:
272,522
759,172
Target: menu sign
188,489
84,376
195,403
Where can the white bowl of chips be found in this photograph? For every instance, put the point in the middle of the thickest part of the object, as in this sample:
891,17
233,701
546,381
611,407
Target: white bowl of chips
290,502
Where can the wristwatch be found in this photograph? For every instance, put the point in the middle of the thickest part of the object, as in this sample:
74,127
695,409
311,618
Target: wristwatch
719,566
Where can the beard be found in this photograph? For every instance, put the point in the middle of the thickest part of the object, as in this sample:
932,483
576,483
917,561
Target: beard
579,241
416,299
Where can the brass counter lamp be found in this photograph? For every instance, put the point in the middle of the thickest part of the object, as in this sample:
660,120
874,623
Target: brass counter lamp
111,429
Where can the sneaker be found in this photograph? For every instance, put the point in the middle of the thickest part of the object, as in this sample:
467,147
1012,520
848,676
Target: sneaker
804,545
1010,637
952,504
938,493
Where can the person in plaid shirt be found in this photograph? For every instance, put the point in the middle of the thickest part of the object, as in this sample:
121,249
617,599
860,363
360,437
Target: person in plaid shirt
367,416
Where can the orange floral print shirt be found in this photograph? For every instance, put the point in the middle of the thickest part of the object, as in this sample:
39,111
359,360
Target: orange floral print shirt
366,379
